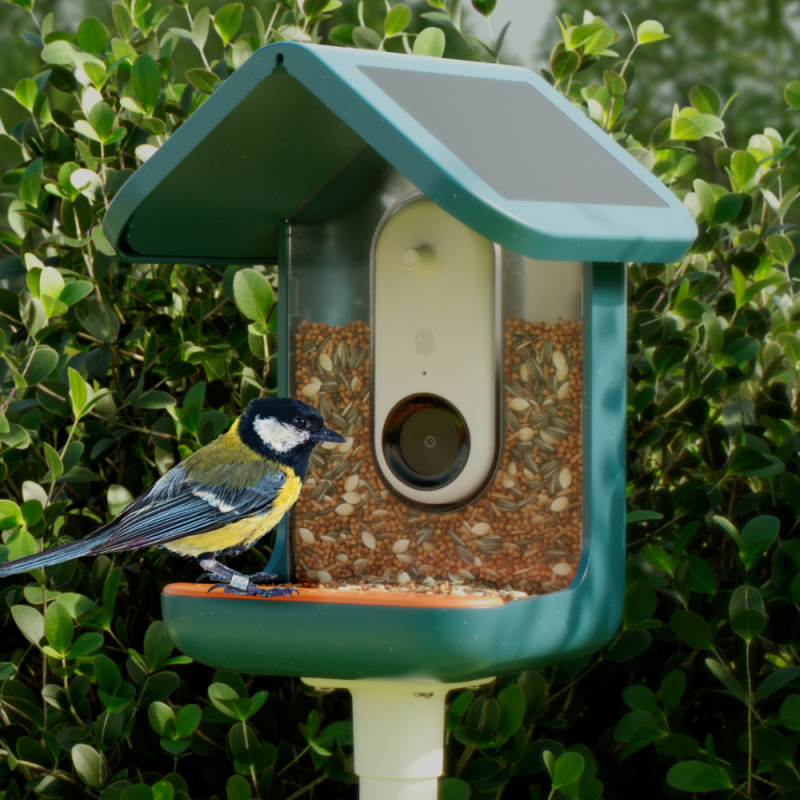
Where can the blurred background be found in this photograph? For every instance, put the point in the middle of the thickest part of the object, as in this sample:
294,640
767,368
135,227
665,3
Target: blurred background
731,45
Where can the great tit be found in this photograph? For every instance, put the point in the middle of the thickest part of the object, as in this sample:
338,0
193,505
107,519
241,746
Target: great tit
219,501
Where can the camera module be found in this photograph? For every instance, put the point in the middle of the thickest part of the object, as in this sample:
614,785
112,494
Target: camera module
425,441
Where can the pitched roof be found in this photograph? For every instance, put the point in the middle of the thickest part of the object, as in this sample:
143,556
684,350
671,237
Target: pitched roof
495,146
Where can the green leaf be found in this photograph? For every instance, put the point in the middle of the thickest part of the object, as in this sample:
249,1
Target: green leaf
650,31
92,35
657,557
58,52
727,679
726,208
158,646
253,295
757,535
792,94
430,43
768,745
565,64
118,499
484,7
705,100
162,719
685,129
30,623
39,365
743,167
155,399
775,681
747,612
101,118
122,20
694,776
237,788
568,769
741,350
7,670
89,765
672,688
705,194
789,715
78,391
692,629
146,81
453,789
26,92
614,83
397,20
187,721
58,627
200,26
640,603
781,247
203,79
227,21
748,624
85,644
512,711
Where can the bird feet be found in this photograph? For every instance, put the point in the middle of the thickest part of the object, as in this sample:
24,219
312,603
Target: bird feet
232,582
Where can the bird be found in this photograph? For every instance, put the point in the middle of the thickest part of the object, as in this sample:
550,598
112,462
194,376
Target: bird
219,501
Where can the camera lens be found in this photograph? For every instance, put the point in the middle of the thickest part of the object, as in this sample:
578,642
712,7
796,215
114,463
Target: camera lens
425,441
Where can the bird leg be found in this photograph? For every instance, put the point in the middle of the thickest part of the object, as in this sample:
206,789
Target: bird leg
238,583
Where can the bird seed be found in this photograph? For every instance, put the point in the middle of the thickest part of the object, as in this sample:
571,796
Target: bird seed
520,537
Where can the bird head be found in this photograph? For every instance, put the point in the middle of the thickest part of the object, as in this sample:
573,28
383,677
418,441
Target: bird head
284,429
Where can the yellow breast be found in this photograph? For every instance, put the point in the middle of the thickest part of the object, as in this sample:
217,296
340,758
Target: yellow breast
243,532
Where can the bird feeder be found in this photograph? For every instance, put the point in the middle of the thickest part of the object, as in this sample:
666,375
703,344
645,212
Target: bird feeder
451,240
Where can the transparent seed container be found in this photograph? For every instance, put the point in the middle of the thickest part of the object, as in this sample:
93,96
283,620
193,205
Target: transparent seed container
473,485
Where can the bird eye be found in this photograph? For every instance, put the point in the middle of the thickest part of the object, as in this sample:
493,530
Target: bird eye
300,423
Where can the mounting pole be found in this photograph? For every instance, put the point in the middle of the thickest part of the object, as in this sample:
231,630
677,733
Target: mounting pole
398,732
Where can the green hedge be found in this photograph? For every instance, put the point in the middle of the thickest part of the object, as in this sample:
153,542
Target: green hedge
111,373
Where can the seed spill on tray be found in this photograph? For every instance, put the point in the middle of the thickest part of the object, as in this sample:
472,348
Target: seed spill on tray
521,537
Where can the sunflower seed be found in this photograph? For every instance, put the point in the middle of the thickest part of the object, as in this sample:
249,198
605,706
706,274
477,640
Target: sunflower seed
544,446
456,538
560,425
537,420
423,535
511,420
548,468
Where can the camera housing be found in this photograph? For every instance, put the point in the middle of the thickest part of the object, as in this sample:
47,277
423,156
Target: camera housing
435,344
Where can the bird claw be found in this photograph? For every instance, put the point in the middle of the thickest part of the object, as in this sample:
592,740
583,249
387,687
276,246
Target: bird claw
251,590
257,591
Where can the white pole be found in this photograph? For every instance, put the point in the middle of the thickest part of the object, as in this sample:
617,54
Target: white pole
398,732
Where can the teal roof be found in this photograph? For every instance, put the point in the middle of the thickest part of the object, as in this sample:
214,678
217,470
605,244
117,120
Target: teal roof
495,146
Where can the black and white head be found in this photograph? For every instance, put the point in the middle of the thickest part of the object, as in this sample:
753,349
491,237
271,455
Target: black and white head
286,430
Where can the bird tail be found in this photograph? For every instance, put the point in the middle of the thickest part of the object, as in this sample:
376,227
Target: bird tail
54,555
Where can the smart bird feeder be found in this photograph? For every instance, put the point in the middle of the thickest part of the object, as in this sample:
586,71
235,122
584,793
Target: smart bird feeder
451,240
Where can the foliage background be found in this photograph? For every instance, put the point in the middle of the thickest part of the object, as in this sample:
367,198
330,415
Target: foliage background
111,373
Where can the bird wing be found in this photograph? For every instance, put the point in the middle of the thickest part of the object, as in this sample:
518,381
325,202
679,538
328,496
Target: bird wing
198,495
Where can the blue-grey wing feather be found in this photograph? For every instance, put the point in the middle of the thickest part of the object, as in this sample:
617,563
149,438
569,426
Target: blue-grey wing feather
176,507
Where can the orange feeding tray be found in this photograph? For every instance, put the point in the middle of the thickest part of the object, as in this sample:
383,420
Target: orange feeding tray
350,598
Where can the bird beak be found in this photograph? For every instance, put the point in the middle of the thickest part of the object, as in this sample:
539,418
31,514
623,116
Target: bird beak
327,435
